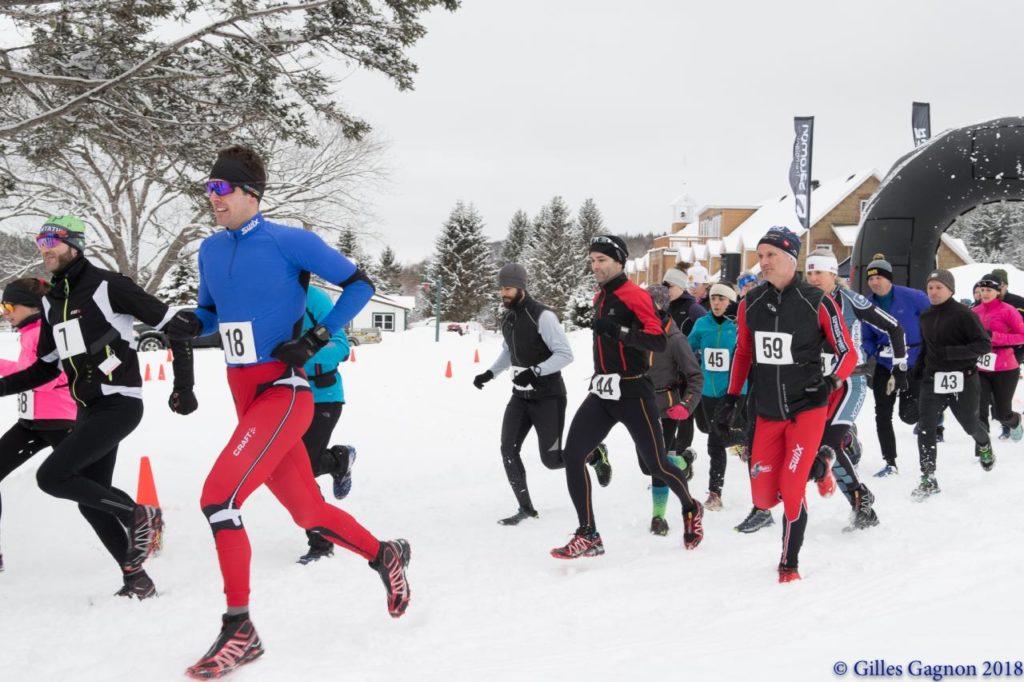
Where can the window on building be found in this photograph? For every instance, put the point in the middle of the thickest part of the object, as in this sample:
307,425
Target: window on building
384,321
863,205
711,227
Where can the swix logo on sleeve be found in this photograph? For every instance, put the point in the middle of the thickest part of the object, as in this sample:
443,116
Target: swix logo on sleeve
794,459
248,227
245,441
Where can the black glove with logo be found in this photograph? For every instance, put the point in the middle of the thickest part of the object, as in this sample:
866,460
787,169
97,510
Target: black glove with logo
183,401
525,378
822,388
897,382
183,326
480,379
297,352
607,327
726,414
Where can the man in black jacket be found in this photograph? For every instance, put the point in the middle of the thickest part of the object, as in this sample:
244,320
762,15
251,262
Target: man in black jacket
952,340
536,350
87,329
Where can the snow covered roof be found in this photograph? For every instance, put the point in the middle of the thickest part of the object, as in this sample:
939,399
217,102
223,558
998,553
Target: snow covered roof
407,302
847,234
958,247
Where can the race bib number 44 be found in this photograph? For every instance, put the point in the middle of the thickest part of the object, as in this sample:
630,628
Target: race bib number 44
949,382
239,342
716,359
987,362
68,337
773,348
606,386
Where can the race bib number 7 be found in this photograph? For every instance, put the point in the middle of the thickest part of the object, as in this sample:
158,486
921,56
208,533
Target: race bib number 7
26,405
68,337
239,342
949,382
716,359
773,348
606,386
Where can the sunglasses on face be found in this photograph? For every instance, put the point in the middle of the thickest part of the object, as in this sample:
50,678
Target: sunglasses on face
7,307
223,188
51,238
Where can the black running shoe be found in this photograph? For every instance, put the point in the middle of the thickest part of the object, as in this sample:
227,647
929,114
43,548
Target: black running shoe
659,526
985,456
864,515
520,515
755,521
602,467
236,645
137,585
390,562
316,553
926,488
146,530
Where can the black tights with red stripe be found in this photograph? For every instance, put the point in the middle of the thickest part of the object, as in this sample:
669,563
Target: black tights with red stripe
592,422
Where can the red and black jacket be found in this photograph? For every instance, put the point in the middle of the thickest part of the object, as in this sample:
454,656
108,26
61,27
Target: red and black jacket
630,307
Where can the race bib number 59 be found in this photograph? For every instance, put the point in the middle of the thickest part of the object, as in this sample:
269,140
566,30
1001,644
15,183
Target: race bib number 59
606,386
773,348
239,342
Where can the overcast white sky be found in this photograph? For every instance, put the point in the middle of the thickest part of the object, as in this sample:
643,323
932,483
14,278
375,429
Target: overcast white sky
519,100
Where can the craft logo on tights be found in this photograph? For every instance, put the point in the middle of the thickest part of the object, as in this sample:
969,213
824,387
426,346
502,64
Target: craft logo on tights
245,441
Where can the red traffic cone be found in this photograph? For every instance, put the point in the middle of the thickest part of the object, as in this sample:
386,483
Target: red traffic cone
146,493
148,376
352,355
161,376
476,356
448,370
170,356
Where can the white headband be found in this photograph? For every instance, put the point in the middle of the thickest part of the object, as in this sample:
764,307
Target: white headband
821,263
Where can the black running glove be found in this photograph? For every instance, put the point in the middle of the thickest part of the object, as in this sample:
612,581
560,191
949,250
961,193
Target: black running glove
480,379
607,327
297,352
183,326
823,387
525,378
726,414
897,382
183,401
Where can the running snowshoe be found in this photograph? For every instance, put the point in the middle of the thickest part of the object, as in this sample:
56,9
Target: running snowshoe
390,562
137,585
236,645
585,542
520,515
659,526
755,521
985,456
693,526
926,488
602,467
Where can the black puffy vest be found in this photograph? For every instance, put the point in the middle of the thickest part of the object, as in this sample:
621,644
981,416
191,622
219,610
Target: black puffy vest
527,348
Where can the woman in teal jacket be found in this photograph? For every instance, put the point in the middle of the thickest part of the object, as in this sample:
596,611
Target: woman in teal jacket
713,339
328,400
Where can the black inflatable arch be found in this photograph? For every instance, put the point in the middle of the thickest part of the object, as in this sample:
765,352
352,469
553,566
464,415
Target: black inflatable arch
930,187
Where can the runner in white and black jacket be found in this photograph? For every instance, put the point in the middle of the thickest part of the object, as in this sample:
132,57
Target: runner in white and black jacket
87,330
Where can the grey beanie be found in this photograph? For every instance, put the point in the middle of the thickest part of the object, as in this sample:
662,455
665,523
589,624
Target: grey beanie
659,294
512,275
880,267
945,277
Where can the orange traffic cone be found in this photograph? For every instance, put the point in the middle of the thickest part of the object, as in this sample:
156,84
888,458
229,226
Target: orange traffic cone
170,356
149,374
448,370
352,355
161,376
146,494
476,356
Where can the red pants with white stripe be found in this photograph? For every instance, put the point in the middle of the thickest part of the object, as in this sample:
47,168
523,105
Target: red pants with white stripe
275,407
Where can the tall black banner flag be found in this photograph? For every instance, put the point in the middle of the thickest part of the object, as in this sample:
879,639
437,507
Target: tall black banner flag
800,169
921,121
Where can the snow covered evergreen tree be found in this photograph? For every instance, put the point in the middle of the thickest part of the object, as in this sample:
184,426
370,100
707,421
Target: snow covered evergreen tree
993,233
182,285
348,244
590,224
553,260
520,232
463,260
387,273
580,314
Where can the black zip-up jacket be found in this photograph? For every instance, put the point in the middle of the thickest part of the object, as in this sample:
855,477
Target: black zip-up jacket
685,311
526,347
779,340
87,326
629,306
952,340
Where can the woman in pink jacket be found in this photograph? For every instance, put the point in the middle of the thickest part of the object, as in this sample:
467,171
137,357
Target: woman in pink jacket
45,414
999,370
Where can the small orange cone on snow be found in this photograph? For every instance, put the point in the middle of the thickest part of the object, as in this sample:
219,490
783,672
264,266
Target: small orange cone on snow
161,376
149,374
476,356
448,370
147,488
352,355
170,356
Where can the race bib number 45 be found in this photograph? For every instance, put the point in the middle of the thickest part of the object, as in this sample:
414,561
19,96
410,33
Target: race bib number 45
239,342
949,382
606,386
773,348
716,359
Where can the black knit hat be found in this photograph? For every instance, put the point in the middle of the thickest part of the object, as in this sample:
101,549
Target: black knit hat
611,246
17,293
782,238
879,267
989,281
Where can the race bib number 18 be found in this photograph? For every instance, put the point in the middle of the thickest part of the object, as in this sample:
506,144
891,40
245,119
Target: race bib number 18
239,342
949,382
987,362
26,405
606,386
773,348
68,337
716,359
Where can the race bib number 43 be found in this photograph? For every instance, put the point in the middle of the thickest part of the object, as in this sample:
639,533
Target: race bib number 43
606,386
773,348
949,382
239,342
716,359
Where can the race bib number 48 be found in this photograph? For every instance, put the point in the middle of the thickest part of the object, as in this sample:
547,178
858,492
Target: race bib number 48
987,362
716,359
773,348
606,386
239,342
68,337
949,382
26,405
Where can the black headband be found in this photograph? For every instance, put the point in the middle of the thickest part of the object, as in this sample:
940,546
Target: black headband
17,294
235,172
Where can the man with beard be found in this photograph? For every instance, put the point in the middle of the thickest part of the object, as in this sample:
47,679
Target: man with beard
536,350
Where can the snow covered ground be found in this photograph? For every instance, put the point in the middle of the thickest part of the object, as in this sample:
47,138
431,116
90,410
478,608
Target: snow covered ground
938,582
